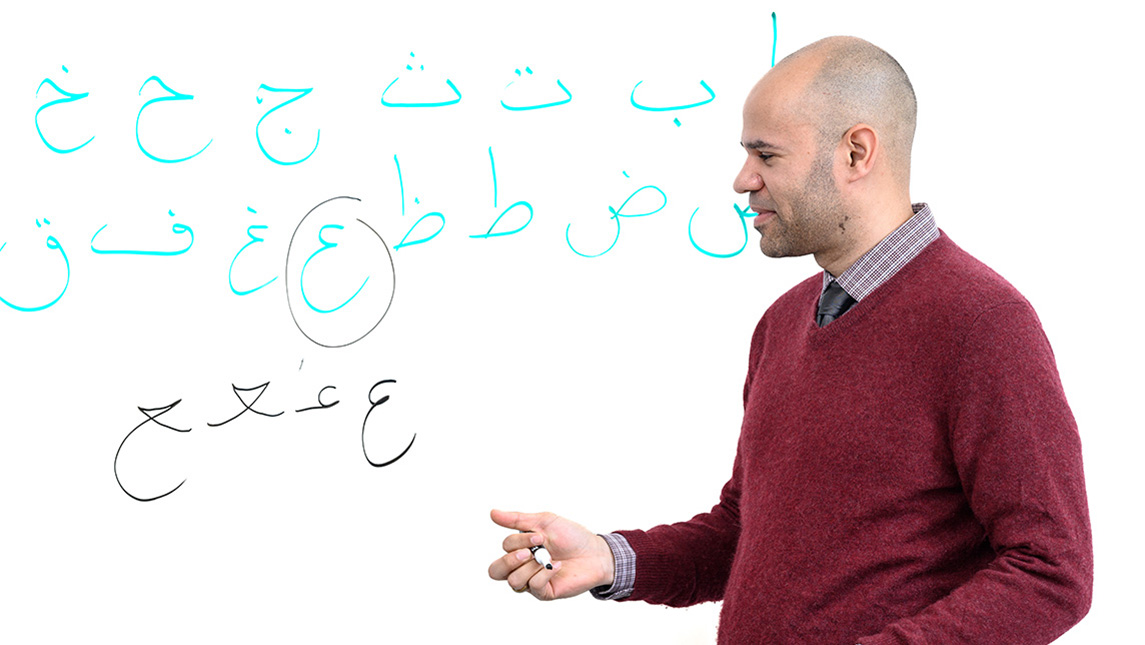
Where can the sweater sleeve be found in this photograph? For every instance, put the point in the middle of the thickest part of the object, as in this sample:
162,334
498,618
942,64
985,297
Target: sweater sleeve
1018,455
689,562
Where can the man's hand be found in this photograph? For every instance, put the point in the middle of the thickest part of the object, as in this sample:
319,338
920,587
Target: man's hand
581,559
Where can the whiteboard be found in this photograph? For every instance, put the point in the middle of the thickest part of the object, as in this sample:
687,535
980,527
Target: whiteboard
440,175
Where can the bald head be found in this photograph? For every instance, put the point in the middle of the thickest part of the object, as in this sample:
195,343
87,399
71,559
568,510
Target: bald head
828,133
843,81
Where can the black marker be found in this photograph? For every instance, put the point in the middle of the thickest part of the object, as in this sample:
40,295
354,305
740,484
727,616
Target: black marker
541,555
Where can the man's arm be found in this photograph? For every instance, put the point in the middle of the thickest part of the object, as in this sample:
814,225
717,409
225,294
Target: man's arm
678,564
1018,455
688,563
581,559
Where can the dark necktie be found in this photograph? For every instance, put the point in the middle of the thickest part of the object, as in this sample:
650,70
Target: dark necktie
833,303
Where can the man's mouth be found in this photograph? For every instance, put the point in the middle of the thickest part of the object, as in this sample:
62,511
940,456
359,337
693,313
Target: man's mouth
762,216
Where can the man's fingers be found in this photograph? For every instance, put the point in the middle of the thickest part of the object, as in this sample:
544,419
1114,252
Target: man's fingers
522,541
517,566
539,583
519,578
520,521
505,565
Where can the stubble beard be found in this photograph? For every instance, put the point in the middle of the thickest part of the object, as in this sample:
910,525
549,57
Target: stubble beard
815,220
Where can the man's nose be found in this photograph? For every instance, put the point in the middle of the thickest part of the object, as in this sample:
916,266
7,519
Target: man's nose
747,181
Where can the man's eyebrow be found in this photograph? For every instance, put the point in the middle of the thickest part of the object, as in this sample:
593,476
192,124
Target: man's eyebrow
758,144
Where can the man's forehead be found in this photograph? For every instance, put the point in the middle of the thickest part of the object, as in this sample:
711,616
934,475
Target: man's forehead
774,113
782,87
777,91
775,127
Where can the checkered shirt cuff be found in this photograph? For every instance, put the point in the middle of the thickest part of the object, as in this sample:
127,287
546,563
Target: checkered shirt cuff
624,559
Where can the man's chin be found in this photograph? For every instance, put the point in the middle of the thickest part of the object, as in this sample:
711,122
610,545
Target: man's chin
770,249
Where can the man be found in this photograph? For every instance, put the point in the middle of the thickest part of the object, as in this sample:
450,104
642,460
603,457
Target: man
908,469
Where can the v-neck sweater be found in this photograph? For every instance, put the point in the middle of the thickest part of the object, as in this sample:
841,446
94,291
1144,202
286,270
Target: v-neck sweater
909,474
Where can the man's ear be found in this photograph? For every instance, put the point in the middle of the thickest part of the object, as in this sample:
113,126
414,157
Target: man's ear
861,145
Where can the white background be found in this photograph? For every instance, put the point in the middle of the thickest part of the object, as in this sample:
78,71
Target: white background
606,389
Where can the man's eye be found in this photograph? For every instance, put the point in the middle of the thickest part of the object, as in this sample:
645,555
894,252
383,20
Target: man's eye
763,156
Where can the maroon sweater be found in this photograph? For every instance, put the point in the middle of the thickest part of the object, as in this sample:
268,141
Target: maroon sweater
910,473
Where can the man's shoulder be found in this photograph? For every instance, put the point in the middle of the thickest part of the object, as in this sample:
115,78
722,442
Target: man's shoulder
948,294
962,282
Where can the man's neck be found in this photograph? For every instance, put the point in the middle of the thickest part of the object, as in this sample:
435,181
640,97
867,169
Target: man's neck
840,260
